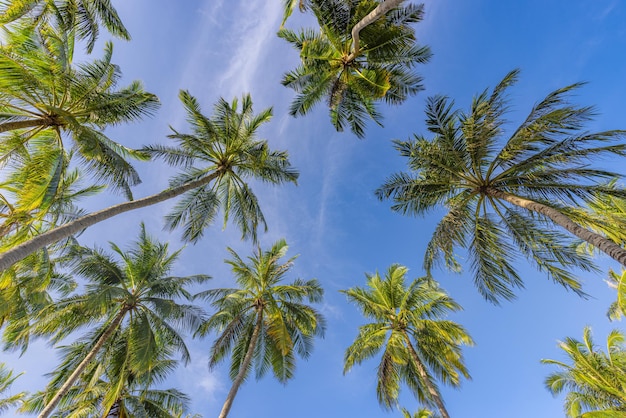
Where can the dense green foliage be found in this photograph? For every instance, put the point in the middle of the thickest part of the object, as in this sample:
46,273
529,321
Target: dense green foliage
264,323
122,320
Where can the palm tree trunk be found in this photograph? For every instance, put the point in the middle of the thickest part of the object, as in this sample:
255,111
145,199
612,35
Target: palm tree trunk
421,370
600,242
83,364
371,17
19,252
244,365
21,124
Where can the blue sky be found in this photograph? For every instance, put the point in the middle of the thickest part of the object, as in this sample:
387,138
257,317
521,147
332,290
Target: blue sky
225,48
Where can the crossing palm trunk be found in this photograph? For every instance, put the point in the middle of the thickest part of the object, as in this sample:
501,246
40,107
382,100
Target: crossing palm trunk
19,252
370,18
83,364
244,365
22,124
602,243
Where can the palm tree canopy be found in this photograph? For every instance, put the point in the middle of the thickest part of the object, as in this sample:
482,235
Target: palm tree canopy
595,381
82,16
134,292
45,97
136,283
382,70
289,325
113,383
406,318
480,179
224,147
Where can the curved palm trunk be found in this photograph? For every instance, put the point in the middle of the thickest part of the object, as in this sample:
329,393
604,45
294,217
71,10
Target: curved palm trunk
83,364
602,243
21,124
421,370
371,17
19,252
244,365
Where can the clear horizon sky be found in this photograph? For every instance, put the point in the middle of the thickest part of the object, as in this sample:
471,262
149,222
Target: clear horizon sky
221,48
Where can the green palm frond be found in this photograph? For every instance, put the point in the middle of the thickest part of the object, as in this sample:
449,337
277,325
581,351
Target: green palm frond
130,299
593,380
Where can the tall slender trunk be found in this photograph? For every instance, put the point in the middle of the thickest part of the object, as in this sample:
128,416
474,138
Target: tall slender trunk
21,124
244,365
19,252
421,370
371,17
83,364
600,242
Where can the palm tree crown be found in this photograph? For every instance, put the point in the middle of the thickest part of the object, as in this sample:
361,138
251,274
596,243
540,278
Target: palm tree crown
136,296
593,380
418,346
115,384
45,97
264,322
223,148
353,81
506,195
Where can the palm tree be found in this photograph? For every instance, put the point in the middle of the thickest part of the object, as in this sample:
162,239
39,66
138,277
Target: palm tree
595,381
83,16
418,346
6,380
113,385
137,294
227,147
503,196
355,70
264,322
45,97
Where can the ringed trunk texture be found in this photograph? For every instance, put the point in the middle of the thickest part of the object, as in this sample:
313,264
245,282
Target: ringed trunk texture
83,364
244,366
21,124
421,370
371,17
17,253
600,242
